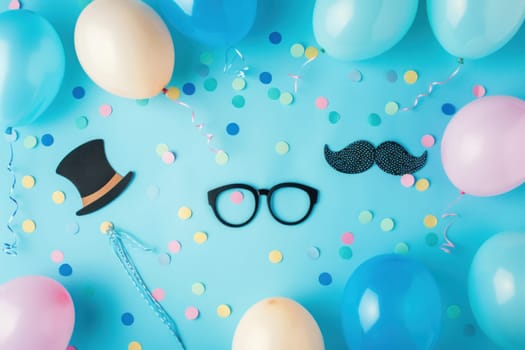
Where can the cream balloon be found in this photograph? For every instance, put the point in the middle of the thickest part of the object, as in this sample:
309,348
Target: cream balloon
124,47
277,324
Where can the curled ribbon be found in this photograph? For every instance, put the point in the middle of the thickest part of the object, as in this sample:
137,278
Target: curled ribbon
448,246
230,56
297,77
11,248
433,84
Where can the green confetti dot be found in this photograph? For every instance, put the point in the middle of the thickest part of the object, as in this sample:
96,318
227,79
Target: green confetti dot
238,84
198,288
274,93
210,84
282,147
391,108
30,142
374,119
297,50
142,102
365,217
238,101
81,122
345,253
453,312
334,117
161,149
286,98
387,224
222,158
401,248
206,58
431,239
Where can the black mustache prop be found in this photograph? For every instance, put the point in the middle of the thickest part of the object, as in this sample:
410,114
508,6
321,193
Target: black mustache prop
359,156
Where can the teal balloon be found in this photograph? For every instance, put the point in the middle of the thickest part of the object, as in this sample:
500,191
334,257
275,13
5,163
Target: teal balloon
475,28
497,289
31,66
391,302
360,29
215,23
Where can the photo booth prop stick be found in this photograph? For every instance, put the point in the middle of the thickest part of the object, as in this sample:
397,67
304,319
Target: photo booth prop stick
11,248
88,168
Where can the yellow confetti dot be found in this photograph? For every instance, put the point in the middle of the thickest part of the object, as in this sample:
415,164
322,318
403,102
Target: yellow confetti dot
224,310
297,50
200,237
28,226
282,147
28,181
311,52
391,108
58,197
134,345
161,149
410,76
105,226
185,213
198,288
238,84
422,185
430,221
275,256
286,98
222,158
173,93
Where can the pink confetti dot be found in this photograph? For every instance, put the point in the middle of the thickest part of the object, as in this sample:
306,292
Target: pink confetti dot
408,180
14,5
105,110
174,246
321,102
57,256
158,294
347,238
479,90
71,347
428,141
168,157
236,197
191,313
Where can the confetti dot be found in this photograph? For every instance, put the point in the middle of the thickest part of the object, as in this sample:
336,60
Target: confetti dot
222,158
237,197
203,70
391,76
374,119
14,5
265,77
453,312
275,256
11,135
78,92
428,141
282,147
168,157
191,313
200,237
127,319
365,217
313,253
334,117
65,270
431,239
210,84
238,101
198,288
105,110
224,310
391,108
401,248
28,181
28,226
275,37
161,149
164,259
81,122
174,246
297,50
238,84
479,91
422,185
286,98
173,93
274,93
106,226
430,221
448,108
72,228
387,224
184,213
57,256
30,142
347,238
142,102
232,129
47,140
469,330
345,253
153,192
325,279
71,347
408,180
158,294
206,58
311,52
58,197
410,76
188,89
134,345
321,102
355,76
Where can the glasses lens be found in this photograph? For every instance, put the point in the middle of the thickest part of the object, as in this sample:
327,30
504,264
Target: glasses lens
290,204
235,205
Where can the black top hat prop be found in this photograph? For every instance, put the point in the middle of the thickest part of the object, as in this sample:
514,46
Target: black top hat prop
89,170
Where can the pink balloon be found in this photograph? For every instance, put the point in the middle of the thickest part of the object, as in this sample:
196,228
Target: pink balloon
483,146
36,312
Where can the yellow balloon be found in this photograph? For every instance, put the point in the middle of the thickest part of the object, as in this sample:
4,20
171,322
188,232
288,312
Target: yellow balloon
125,47
277,324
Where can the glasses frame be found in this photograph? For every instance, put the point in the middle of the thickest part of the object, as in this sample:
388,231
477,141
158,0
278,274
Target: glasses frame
313,195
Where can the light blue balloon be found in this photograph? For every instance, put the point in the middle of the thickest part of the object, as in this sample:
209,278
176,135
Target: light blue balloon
360,29
215,23
391,302
475,28
497,289
31,66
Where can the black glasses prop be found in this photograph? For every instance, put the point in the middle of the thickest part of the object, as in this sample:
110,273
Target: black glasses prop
289,203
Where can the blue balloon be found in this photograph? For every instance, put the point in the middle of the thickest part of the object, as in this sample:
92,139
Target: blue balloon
497,289
475,28
359,29
31,66
391,302
215,23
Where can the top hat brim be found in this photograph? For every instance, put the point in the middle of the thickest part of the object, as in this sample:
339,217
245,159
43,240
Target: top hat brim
108,197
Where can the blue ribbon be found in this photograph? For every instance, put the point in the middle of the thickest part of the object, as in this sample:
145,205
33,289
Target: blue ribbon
116,239
11,248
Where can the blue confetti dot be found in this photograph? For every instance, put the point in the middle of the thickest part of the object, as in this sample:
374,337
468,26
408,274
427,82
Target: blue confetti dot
325,278
47,140
79,92
275,37
232,129
65,270
448,108
188,89
127,319
203,70
265,77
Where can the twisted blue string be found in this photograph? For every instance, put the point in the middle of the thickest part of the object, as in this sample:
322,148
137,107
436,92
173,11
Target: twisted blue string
11,248
116,240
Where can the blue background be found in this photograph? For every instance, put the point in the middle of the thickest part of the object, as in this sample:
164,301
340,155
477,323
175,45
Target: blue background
233,263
